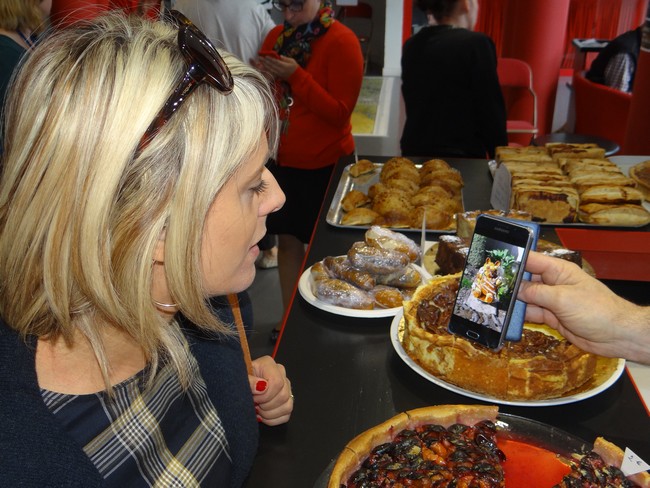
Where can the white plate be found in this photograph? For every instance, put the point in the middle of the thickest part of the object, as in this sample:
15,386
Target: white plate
305,289
397,344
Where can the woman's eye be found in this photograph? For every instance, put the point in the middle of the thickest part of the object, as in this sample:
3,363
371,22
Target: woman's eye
261,187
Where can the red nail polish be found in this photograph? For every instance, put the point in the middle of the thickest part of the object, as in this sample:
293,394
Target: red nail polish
259,419
260,385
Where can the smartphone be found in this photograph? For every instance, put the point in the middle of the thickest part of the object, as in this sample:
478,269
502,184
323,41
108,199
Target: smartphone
493,270
270,52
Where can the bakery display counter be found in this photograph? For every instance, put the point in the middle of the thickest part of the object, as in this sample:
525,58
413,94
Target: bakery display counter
347,376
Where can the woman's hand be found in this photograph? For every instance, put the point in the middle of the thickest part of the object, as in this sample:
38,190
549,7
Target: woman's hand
271,391
281,68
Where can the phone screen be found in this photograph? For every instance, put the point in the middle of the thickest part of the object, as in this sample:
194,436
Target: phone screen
490,280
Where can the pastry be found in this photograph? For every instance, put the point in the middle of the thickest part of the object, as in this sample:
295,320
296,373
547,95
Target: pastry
361,167
542,365
354,199
546,203
627,215
640,173
359,216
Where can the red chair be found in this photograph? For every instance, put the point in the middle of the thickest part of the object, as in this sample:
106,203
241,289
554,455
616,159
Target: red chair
516,79
600,110
359,19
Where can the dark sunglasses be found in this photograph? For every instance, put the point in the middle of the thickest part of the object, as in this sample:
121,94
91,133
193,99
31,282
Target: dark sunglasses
292,6
205,65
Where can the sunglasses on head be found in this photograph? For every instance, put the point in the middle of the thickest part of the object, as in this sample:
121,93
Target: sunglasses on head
294,6
205,65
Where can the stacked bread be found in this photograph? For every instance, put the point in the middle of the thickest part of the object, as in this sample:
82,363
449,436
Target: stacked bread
565,183
405,195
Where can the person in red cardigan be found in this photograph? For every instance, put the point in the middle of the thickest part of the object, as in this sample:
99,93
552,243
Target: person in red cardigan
66,12
318,76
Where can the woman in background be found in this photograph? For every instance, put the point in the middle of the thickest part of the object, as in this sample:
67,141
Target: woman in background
134,188
318,73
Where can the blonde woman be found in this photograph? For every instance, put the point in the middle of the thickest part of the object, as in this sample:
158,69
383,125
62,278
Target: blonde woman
134,187
20,22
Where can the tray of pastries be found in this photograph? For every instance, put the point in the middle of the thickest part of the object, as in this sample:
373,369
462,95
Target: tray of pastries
398,194
572,184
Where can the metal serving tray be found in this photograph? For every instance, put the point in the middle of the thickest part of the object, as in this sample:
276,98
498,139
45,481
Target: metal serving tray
363,183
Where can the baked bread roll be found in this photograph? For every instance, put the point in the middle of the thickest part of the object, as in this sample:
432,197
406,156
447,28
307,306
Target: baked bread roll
429,195
354,199
434,216
567,164
360,216
545,203
399,165
625,215
550,168
587,150
361,167
433,165
524,153
446,178
611,194
405,185
640,173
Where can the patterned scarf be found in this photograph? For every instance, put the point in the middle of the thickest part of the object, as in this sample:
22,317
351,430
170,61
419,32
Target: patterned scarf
295,42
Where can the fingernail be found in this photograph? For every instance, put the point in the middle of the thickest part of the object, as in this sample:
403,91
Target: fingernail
259,419
260,385
257,409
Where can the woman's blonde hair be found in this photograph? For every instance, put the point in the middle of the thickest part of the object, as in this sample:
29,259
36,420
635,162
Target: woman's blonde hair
81,212
21,15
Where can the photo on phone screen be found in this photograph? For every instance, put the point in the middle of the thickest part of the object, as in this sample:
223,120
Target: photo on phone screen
490,280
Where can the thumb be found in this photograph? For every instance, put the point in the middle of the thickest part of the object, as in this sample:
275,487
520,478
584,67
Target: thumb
258,385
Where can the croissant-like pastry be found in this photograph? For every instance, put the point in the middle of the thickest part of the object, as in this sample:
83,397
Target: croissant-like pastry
342,294
376,260
406,278
354,199
339,267
394,241
319,272
387,296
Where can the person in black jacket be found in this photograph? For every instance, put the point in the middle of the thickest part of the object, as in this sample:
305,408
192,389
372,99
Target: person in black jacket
615,65
453,100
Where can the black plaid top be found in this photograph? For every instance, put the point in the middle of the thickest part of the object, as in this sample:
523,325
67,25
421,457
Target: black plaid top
160,436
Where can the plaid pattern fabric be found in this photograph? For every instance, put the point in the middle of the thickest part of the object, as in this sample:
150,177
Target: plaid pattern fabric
159,436
618,73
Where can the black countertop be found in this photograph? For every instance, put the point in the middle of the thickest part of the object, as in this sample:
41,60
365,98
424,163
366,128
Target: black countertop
347,377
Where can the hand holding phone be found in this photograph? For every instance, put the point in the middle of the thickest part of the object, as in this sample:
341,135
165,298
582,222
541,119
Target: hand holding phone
494,267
